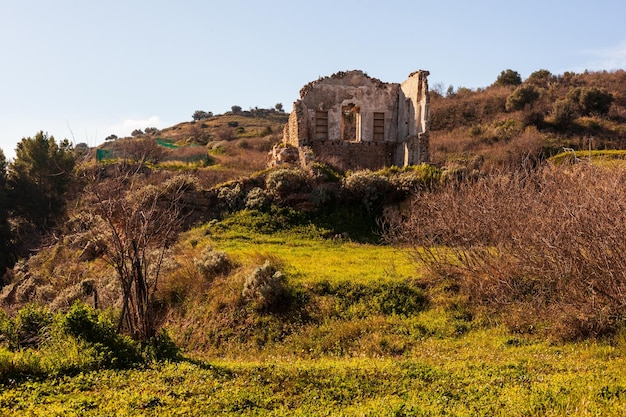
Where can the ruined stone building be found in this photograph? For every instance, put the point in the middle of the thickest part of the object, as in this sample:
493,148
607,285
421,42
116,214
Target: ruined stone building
353,121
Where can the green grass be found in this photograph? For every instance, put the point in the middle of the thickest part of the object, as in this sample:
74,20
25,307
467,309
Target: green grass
596,156
485,373
304,252
350,352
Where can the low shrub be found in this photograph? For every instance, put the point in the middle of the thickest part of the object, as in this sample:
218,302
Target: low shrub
28,329
370,189
212,263
97,331
264,288
354,300
231,198
285,181
258,199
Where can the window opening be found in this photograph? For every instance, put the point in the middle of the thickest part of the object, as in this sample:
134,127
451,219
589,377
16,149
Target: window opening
321,125
350,120
379,127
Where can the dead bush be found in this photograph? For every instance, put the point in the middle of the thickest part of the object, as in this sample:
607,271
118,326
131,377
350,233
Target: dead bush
543,250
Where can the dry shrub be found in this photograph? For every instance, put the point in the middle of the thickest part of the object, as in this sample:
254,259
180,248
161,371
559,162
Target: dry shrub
543,250
212,263
264,287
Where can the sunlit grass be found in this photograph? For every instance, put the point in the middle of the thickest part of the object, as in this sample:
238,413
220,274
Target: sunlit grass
313,259
351,363
483,373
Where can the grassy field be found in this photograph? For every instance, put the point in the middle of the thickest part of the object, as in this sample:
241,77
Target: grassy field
351,357
483,373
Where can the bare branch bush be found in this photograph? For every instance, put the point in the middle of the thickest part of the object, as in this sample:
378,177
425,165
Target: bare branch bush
143,150
542,250
140,221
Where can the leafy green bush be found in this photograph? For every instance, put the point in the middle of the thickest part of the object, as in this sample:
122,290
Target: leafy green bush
285,181
29,329
593,100
563,112
258,199
231,197
521,97
323,173
160,348
97,331
370,189
541,78
419,177
509,77
32,325
353,300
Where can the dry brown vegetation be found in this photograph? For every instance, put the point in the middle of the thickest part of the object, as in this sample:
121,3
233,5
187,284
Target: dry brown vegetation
477,129
541,251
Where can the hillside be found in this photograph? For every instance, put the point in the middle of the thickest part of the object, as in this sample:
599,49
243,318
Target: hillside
182,276
499,126
510,121
229,145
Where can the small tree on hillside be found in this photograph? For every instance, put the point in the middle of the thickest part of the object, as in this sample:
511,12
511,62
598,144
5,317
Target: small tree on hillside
509,77
5,230
236,109
593,100
201,115
39,177
138,223
541,78
522,96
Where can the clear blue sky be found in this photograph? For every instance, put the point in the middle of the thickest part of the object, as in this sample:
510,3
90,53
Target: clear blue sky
85,69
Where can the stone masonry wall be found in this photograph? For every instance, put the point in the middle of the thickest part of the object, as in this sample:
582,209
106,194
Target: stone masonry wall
354,156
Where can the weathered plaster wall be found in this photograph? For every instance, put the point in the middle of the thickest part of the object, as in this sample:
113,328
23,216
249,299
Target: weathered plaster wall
351,88
405,109
414,105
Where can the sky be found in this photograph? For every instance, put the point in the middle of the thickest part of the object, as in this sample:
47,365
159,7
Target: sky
83,70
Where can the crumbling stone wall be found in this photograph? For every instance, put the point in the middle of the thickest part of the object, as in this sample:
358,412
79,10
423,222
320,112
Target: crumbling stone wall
352,120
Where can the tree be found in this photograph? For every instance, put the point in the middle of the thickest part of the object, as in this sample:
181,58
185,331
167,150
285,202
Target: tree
235,109
594,100
541,78
136,132
586,101
563,112
279,107
39,177
509,78
111,137
138,222
521,96
5,230
200,115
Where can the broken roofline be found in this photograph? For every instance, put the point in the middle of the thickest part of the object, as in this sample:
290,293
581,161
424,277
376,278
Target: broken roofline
342,74
354,121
